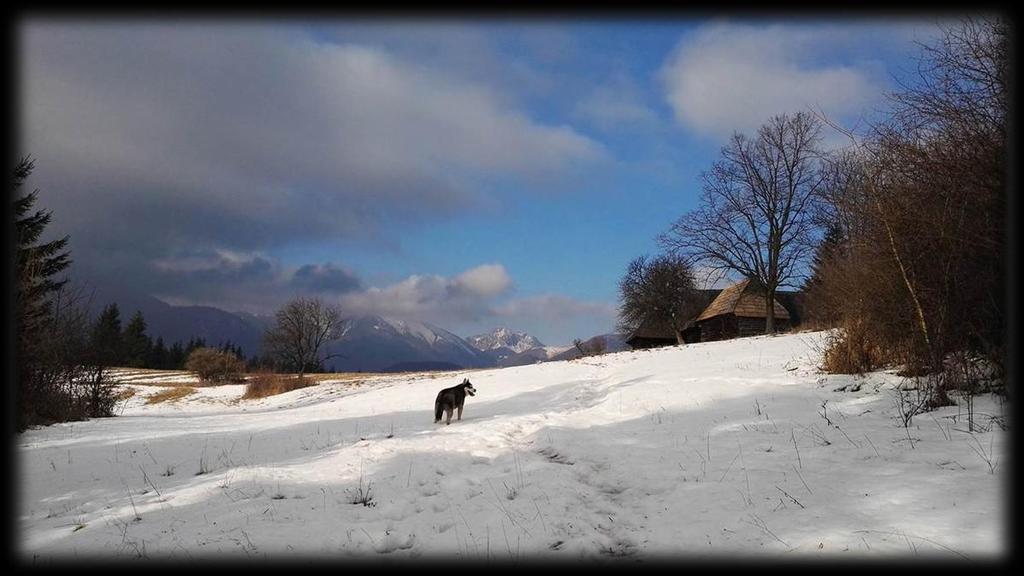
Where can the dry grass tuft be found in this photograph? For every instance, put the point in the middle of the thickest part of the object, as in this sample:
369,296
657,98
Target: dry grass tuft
171,395
269,384
124,394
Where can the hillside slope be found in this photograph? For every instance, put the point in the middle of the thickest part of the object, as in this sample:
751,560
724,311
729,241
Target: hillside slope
720,450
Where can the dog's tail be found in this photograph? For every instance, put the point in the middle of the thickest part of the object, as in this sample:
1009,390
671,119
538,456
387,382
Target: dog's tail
438,410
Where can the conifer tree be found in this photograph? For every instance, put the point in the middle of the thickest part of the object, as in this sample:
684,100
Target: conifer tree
176,357
820,309
158,356
830,247
136,343
35,264
107,342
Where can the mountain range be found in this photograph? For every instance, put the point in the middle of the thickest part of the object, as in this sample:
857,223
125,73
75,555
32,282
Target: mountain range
367,343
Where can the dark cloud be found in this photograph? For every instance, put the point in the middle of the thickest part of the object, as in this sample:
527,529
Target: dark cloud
154,140
325,278
247,135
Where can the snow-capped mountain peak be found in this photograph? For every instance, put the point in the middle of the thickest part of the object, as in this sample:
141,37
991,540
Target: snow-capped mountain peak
377,343
504,338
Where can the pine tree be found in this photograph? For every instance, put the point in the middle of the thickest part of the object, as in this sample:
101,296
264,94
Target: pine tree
831,247
35,284
158,356
176,357
107,342
36,264
137,344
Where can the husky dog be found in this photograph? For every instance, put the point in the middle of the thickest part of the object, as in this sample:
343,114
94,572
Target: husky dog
451,398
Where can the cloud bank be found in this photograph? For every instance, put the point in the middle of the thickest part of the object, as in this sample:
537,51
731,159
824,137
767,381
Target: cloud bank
155,141
728,77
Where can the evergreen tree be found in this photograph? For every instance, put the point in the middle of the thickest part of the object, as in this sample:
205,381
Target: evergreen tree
158,355
194,343
176,357
136,343
39,343
818,307
107,343
830,247
35,264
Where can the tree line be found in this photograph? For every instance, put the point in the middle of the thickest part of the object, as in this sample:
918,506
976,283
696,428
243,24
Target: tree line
897,239
132,347
63,357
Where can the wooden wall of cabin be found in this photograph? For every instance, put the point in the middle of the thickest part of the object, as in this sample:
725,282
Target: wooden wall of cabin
718,328
728,326
755,326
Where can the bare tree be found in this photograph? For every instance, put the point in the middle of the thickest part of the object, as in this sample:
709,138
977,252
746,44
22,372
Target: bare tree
593,347
303,326
756,216
661,291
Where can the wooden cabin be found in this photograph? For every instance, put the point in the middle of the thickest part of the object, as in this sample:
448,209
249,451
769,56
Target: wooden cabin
739,311
653,333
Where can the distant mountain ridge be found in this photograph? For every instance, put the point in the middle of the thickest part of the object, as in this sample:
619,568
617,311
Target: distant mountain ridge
508,348
379,344
367,343
504,338
182,323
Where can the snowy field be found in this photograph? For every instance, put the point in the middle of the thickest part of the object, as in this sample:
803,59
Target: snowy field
710,451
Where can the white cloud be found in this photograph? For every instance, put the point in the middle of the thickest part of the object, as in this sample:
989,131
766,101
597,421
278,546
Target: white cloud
555,307
732,77
433,298
486,281
477,300
617,101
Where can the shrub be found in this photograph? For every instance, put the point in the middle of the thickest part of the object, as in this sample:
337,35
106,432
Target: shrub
212,365
850,351
269,384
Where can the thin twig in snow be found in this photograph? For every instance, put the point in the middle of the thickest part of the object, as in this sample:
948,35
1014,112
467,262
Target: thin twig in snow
790,497
730,467
802,480
792,435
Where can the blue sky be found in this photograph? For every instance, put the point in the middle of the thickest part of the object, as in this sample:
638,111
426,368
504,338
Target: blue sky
471,174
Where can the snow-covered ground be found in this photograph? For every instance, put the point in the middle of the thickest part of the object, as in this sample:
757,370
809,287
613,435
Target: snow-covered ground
714,450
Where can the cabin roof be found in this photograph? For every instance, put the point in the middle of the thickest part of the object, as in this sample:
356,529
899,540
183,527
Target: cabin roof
742,299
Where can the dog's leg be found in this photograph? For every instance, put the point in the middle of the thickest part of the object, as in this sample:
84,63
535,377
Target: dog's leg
448,412
460,412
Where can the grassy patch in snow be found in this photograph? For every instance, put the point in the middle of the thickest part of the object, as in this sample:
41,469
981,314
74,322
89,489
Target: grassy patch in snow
124,394
263,385
171,395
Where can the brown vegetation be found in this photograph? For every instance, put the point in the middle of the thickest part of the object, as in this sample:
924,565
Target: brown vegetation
269,384
212,365
176,393
917,279
124,394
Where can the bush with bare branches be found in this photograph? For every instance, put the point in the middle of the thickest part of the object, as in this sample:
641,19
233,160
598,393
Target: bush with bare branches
213,365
